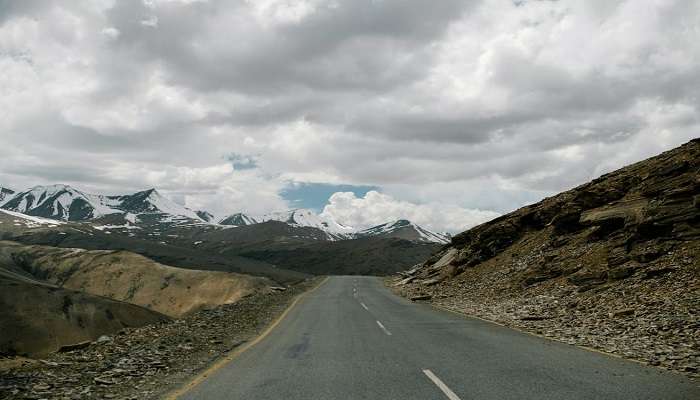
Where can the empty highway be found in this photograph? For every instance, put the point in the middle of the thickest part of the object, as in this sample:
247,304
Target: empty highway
351,338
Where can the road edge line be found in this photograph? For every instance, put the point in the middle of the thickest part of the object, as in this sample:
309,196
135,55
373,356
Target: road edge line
202,376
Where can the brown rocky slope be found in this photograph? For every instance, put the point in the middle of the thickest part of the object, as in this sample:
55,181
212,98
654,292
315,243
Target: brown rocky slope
37,319
612,264
130,277
51,298
146,362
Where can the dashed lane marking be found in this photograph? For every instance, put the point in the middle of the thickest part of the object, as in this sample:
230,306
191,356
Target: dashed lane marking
384,328
441,385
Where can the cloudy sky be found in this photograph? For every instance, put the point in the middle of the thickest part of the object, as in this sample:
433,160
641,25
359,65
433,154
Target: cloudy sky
444,112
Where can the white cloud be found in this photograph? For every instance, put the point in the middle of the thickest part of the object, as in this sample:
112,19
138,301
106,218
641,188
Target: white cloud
151,21
376,208
111,32
447,106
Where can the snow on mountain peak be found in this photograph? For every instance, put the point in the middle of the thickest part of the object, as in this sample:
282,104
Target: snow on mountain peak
302,217
151,202
63,202
405,229
305,217
5,194
58,202
238,219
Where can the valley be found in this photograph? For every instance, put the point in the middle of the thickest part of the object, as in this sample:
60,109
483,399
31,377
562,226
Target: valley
134,296
349,200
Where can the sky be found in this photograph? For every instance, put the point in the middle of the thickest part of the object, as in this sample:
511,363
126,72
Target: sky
447,113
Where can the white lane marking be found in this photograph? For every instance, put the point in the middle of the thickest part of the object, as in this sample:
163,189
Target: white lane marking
364,306
441,385
384,328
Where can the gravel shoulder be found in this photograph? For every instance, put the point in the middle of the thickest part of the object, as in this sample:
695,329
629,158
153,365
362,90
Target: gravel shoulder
611,265
147,362
654,321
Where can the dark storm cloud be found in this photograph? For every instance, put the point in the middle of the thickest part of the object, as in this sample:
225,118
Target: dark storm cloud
27,8
358,45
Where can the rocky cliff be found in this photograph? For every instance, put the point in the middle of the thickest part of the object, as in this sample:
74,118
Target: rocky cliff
611,264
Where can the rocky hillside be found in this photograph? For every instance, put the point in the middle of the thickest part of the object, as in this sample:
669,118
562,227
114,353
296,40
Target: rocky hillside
129,277
368,256
612,264
54,297
179,250
147,362
38,318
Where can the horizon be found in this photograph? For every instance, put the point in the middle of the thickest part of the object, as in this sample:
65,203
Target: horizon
486,217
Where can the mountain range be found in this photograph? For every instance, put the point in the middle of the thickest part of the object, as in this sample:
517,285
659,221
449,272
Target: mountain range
149,207
285,246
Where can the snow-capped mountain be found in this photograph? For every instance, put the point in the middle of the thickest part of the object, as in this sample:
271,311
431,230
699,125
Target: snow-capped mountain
205,216
59,202
404,229
62,202
151,202
149,207
5,194
297,218
238,219
19,219
304,217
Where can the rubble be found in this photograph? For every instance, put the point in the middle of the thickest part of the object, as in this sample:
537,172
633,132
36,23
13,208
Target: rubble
611,265
144,363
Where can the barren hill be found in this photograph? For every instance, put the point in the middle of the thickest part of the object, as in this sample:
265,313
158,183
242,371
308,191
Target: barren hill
129,277
612,264
38,318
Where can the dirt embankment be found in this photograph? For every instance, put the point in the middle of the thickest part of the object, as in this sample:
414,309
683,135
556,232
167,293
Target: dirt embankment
37,319
132,278
145,363
56,297
612,264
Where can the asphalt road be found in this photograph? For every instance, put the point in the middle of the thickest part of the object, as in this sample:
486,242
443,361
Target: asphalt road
353,339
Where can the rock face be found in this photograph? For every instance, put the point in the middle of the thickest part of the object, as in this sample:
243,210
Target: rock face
5,194
611,264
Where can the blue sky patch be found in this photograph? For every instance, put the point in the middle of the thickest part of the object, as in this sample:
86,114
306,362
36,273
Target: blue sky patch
315,195
242,161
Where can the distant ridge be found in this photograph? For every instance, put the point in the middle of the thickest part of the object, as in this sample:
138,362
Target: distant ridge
65,203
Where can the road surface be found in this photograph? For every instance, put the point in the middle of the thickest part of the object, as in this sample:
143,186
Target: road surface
351,338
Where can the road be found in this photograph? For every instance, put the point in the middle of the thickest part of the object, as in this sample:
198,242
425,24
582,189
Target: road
351,338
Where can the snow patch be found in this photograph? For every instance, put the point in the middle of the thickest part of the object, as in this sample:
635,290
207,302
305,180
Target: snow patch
31,221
